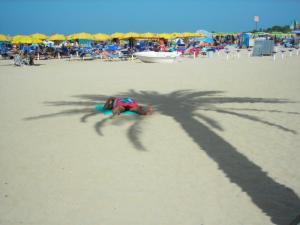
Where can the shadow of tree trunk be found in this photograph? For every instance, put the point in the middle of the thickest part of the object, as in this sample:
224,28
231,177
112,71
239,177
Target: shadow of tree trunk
277,201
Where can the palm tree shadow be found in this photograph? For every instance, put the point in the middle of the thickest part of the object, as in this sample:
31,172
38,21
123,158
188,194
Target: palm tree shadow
276,200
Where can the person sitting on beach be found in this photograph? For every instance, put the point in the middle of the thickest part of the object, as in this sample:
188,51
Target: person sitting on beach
118,105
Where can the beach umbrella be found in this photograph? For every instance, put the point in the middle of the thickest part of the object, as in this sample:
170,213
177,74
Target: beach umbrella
9,38
16,38
219,34
39,36
4,38
177,35
166,36
207,40
83,36
148,35
26,40
21,39
57,37
189,35
36,41
117,35
101,37
131,35
174,35
204,33
195,35
69,37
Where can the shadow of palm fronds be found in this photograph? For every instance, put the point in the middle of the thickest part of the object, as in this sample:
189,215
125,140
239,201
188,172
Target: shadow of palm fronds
276,200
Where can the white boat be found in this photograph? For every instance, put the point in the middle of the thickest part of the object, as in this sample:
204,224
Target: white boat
157,57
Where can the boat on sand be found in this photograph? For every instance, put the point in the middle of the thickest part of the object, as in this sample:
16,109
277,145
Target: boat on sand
157,57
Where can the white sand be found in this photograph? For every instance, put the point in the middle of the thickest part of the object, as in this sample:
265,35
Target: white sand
58,170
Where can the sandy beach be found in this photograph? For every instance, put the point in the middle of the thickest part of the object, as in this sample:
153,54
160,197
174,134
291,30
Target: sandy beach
221,148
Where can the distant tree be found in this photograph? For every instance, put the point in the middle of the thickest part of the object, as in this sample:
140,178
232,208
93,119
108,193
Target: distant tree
276,28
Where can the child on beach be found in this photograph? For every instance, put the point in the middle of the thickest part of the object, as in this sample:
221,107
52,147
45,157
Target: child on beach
119,105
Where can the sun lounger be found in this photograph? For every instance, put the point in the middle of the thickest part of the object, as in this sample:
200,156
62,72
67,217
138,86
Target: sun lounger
20,60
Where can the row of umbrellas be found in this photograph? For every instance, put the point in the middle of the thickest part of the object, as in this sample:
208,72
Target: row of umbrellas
39,38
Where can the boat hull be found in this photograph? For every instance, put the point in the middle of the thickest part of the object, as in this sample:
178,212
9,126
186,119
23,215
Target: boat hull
157,57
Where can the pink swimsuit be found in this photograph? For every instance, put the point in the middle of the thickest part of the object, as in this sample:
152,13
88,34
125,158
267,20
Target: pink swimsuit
127,103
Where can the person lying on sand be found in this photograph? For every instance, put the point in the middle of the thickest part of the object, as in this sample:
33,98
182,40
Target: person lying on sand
118,105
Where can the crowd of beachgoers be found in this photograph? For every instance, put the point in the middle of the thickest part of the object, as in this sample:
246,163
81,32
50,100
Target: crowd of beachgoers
122,48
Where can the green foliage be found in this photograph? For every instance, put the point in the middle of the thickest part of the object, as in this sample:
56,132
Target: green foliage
276,28
283,29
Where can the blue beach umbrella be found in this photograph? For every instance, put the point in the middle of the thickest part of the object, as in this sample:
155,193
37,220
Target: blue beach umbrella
205,39
208,40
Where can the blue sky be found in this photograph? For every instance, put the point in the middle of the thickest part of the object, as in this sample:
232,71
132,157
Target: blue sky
108,16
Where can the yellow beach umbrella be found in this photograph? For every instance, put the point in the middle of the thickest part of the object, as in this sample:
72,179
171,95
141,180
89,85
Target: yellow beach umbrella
25,40
165,36
36,41
131,35
148,35
16,38
117,35
101,37
184,35
9,38
70,37
39,36
218,34
188,35
3,37
175,35
83,36
21,39
199,35
57,37
180,35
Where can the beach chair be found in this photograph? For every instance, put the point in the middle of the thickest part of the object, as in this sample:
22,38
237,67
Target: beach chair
4,52
114,56
21,59
18,60
87,54
127,54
